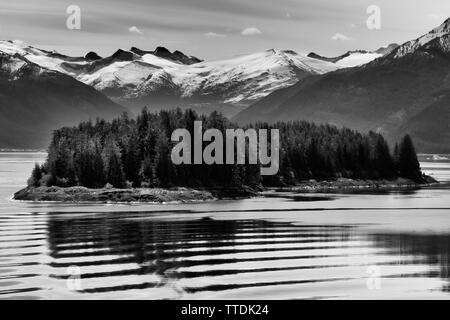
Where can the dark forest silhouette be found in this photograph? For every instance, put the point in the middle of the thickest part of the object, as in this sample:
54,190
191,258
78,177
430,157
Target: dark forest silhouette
136,153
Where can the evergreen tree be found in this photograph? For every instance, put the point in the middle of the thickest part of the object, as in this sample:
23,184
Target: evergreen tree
147,173
396,157
36,176
383,159
408,163
113,165
164,169
131,159
89,165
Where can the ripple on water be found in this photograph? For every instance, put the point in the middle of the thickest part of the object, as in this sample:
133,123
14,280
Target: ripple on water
208,258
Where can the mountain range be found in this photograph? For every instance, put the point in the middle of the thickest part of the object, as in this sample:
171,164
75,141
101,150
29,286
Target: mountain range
161,79
394,90
405,91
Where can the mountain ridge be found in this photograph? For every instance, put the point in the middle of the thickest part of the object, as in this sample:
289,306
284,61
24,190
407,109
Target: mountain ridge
355,58
162,79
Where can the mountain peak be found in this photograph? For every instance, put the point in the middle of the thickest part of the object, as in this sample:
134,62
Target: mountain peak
165,53
443,28
280,52
414,45
386,50
139,51
123,55
91,56
177,56
162,51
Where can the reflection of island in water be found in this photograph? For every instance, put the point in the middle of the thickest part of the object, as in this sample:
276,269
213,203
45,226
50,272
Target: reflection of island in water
124,251
430,249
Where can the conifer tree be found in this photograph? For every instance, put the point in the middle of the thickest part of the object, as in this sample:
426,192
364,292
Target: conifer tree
36,176
113,164
409,166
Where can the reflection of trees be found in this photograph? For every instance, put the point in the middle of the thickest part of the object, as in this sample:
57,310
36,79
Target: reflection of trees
163,247
434,248
153,245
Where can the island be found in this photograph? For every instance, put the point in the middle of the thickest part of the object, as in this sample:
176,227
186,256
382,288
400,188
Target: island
129,160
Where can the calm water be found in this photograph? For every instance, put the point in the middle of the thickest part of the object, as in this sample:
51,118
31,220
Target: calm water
386,245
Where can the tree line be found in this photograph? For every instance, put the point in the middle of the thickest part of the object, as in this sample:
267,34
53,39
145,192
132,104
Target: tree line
128,152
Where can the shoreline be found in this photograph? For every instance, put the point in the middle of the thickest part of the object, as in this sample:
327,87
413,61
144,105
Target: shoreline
189,195
86,195
348,185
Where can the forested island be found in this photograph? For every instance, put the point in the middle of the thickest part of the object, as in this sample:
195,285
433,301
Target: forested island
117,160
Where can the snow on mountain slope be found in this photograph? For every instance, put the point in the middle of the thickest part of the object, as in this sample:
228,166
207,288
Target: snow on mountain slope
45,59
113,72
10,65
247,77
440,33
356,59
157,61
119,74
14,67
136,74
252,76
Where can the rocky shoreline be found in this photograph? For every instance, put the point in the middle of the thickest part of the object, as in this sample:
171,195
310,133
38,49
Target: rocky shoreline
184,195
144,195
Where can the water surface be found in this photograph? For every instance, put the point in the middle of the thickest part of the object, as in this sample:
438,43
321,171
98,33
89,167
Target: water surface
344,246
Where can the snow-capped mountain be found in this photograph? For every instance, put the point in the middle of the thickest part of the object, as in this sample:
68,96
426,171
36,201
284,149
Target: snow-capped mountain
356,58
246,78
137,77
439,36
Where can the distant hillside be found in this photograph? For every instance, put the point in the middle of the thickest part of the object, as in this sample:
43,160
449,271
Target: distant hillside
34,101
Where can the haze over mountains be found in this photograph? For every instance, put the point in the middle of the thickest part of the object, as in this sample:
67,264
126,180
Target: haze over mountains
394,90
405,91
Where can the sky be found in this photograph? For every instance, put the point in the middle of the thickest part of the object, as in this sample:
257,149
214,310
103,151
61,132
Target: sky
215,29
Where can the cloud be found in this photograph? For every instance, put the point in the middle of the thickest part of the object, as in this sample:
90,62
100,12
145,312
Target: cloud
214,35
340,37
135,30
251,31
